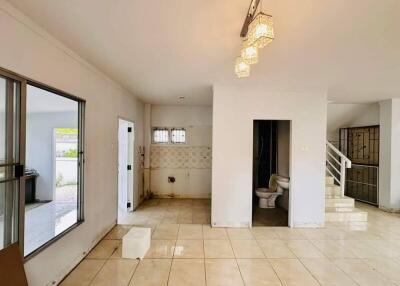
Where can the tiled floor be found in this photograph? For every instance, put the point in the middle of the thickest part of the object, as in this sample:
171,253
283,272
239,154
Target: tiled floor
269,217
156,211
196,254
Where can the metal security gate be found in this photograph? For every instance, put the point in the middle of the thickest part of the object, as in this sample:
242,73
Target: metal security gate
361,146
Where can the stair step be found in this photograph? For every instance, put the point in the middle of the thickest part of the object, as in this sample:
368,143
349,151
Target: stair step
339,202
332,190
329,180
345,215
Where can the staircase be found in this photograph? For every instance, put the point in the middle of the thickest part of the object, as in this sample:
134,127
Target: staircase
338,207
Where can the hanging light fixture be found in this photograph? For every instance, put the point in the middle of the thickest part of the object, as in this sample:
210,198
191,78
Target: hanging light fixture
249,53
242,69
258,32
261,30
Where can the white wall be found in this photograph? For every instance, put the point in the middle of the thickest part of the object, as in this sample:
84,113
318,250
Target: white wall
342,115
191,182
389,153
31,52
39,147
234,109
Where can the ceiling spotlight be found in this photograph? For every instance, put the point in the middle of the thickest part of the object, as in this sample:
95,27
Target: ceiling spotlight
249,53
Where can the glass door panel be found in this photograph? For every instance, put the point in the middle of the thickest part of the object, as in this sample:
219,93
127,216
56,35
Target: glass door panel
9,160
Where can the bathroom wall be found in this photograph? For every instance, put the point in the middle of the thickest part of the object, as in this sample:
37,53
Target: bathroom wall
234,109
283,147
189,163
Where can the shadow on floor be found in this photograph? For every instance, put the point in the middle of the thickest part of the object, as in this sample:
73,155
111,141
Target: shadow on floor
270,217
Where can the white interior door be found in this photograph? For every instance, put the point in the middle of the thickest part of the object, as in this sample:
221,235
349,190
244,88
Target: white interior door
125,165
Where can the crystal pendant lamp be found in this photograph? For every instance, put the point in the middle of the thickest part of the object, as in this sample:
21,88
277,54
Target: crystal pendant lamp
261,30
249,53
242,69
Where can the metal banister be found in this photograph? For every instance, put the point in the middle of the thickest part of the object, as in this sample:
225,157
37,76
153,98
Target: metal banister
343,161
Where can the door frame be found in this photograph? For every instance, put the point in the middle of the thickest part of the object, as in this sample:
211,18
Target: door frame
21,127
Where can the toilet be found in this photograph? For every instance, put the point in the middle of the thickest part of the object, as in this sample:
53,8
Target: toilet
267,196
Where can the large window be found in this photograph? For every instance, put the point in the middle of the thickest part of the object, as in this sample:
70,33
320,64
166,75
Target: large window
54,173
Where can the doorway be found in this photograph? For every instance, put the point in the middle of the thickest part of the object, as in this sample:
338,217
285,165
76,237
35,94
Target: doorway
126,143
271,179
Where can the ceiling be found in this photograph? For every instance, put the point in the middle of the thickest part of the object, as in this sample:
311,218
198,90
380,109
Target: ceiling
161,50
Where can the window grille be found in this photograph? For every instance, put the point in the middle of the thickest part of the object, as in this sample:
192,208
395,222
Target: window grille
178,135
160,135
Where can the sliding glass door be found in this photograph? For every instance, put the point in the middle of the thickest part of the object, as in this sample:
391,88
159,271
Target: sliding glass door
11,159
41,163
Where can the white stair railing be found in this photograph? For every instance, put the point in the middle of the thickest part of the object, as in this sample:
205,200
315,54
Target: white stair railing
336,165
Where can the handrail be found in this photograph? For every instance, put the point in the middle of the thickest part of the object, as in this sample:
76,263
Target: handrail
336,150
343,161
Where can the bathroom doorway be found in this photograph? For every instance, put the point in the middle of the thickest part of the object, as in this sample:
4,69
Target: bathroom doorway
271,178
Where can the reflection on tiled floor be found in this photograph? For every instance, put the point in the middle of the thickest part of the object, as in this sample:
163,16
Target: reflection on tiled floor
196,254
156,211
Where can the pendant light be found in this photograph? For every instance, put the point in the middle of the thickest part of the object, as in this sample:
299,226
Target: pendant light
242,69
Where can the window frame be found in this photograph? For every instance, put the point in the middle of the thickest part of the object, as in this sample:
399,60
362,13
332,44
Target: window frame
81,166
178,129
160,129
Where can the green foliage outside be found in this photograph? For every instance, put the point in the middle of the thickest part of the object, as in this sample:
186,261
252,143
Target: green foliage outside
71,153
61,131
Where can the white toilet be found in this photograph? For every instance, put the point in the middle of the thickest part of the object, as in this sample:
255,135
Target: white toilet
267,196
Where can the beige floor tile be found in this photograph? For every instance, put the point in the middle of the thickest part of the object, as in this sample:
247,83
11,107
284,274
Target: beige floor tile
116,272
214,232
151,272
84,273
186,272
161,249
304,249
361,272
326,272
118,252
260,232
386,266
222,272
258,272
246,249
218,249
104,249
288,233
190,231
239,233
118,232
360,248
166,231
333,249
292,272
275,248
189,248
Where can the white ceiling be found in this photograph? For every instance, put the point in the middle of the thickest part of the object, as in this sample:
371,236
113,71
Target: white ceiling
161,49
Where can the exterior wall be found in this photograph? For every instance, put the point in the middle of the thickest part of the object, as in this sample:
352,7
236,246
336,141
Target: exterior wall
31,52
39,147
234,109
190,163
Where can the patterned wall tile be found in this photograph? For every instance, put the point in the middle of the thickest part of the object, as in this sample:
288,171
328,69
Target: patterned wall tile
180,157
